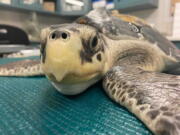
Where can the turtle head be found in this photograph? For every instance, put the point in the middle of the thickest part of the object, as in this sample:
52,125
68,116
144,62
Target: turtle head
73,56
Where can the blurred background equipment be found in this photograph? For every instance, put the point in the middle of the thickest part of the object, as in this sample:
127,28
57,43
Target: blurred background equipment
13,40
73,7
12,35
33,15
49,5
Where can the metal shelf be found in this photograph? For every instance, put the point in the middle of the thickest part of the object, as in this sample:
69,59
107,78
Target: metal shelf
39,11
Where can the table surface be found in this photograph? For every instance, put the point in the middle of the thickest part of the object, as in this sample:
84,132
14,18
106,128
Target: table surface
32,106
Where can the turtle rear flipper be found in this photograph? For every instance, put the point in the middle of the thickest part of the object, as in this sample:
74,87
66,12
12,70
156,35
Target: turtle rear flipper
152,97
21,68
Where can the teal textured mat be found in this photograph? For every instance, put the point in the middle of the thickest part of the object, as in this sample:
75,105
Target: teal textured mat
31,106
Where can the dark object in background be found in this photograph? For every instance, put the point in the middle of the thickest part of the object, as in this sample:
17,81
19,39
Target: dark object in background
13,40
49,5
12,35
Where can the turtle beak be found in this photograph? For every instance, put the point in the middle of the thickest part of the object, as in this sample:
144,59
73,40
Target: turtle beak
60,53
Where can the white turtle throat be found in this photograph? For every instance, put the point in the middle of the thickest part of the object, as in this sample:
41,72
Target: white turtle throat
73,89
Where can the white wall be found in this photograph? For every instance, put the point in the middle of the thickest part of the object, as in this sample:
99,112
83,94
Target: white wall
9,16
23,19
161,17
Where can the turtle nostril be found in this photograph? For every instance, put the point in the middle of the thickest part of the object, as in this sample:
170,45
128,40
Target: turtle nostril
53,36
59,34
64,35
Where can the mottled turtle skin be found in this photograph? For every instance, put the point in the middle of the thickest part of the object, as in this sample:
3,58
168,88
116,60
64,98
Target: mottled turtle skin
119,26
127,53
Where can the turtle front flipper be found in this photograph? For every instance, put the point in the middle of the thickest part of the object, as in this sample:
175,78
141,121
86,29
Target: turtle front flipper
153,97
21,68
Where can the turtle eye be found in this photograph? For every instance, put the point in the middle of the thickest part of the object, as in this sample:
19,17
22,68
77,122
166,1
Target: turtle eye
54,35
94,42
64,35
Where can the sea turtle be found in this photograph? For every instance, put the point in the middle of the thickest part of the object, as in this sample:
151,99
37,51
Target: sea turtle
123,51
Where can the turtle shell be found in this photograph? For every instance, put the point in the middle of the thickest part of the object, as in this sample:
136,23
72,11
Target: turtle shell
118,27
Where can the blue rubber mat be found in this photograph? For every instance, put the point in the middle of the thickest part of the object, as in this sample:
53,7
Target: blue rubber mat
31,106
